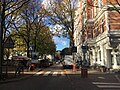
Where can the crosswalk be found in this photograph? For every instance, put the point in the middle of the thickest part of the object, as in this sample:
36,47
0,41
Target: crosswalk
106,86
50,73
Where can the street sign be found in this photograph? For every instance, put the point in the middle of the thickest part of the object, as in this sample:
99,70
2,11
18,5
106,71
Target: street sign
9,43
74,49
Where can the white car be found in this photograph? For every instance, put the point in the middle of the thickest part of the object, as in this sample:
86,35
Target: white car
68,61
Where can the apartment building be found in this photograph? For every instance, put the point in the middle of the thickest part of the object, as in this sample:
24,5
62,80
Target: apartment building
97,26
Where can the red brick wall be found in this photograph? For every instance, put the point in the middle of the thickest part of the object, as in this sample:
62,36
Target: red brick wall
113,1
114,20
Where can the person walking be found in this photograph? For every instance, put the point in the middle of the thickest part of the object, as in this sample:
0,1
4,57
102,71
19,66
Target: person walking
17,68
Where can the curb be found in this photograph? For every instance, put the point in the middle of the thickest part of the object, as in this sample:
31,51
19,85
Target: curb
21,78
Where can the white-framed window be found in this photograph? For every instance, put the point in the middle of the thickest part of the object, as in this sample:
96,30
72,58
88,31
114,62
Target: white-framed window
100,3
102,26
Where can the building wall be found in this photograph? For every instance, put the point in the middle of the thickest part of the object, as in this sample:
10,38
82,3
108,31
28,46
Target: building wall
100,30
78,28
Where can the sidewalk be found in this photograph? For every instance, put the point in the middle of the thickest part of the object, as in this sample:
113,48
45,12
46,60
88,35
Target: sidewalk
28,74
25,75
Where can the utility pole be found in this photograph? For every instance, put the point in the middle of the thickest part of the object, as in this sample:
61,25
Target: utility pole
0,41
72,36
2,17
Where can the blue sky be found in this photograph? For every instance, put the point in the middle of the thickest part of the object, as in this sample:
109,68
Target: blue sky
61,42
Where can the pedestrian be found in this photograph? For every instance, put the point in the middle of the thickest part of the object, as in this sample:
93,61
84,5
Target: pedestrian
81,63
28,65
17,68
22,67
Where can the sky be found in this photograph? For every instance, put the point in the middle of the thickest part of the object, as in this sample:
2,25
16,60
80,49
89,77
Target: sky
61,42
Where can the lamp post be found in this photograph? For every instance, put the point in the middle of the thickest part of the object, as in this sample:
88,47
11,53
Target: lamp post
84,70
84,50
0,46
30,49
1,37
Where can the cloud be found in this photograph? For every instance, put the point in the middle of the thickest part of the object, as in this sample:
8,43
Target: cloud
47,3
61,42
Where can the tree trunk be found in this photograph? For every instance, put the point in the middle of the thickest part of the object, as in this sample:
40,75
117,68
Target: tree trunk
2,24
28,53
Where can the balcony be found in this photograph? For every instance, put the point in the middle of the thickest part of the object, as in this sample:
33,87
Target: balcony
91,42
114,38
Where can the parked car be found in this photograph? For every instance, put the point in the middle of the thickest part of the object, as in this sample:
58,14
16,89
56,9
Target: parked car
44,63
68,61
23,59
20,58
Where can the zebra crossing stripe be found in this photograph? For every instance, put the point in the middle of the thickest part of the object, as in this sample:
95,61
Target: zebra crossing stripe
37,74
47,73
107,85
54,73
62,74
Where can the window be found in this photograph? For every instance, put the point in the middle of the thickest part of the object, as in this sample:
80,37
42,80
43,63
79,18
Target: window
102,26
100,55
100,3
112,60
118,59
97,29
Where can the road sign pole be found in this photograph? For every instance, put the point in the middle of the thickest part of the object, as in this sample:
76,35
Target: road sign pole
0,46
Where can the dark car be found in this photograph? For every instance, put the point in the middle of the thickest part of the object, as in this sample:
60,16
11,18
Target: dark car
44,63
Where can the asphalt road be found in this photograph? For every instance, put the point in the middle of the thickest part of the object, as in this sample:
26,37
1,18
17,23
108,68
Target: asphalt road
56,78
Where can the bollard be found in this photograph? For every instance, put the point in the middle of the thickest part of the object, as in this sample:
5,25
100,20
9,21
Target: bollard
74,67
32,67
84,72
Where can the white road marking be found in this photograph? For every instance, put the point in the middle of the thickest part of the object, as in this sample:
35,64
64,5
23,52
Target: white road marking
39,73
62,74
54,73
47,73
101,77
107,85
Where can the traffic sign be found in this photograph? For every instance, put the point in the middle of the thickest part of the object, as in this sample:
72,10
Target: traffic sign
9,43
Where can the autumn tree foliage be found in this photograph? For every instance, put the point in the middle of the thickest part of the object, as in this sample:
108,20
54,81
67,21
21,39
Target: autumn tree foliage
7,8
62,17
32,20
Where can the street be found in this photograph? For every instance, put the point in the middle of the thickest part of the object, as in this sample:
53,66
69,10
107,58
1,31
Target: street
57,78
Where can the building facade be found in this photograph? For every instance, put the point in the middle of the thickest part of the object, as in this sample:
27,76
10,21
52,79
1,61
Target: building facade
97,26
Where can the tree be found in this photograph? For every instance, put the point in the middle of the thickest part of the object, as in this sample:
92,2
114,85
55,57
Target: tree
62,14
45,43
32,26
7,7
39,24
28,17
20,45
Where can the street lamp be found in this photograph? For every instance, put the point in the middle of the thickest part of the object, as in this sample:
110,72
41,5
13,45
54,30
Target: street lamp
84,70
30,49
84,50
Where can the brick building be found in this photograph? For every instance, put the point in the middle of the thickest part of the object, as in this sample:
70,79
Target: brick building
97,25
